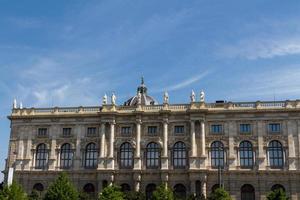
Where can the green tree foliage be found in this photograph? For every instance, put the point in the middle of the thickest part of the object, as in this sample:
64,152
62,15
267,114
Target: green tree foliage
134,195
163,193
61,189
13,192
219,194
277,195
34,195
197,197
111,193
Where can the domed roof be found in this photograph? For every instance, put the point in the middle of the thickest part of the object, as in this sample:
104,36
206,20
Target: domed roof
145,99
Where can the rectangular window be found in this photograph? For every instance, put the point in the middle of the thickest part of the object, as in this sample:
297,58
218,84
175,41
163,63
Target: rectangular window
245,128
179,129
91,131
67,132
42,132
126,130
152,130
274,128
216,128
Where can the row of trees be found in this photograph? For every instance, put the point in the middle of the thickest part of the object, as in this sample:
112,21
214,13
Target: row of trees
63,189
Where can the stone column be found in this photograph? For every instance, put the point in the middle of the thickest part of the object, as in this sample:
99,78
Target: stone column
102,142
261,152
291,128
28,155
78,159
193,140
52,156
164,158
203,139
20,152
137,159
101,164
111,161
204,188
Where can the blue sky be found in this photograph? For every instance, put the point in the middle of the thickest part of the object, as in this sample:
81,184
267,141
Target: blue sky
69,53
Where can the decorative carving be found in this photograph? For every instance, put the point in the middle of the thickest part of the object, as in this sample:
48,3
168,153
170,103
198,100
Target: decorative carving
113,99
166,98
193,96
202,96
104,99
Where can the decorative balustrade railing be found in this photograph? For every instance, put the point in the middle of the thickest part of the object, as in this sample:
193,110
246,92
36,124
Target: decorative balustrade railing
155,108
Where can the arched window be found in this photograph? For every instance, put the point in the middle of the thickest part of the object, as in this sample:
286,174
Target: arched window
179,155
66,156
126,155
38,187
149,190
41,156
247,192
152,155
217,154
125,187
277,187
275,152
89,188
246,154
91,154
179,191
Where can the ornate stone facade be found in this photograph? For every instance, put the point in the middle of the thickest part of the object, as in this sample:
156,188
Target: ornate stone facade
257,144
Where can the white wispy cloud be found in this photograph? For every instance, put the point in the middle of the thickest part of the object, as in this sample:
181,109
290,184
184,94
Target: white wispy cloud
256,48
186,82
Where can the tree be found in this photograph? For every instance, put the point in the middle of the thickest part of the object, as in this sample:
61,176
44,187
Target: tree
197,197
13,192
111,193
34,195
61,189
163,193
131,195
278,194
219,194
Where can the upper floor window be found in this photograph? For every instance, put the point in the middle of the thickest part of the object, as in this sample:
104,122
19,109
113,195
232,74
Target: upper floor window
126,155
91,155
42,132
275,152
126,130
246,154
66,156
217,154
91,131
179,129
179,155
153,155
245,128
216,128
67,132
41,160
152,130
274,128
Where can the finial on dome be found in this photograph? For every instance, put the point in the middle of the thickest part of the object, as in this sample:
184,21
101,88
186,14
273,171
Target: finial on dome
142,80
142,88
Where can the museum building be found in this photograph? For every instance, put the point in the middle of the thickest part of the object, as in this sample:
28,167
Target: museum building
142,144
